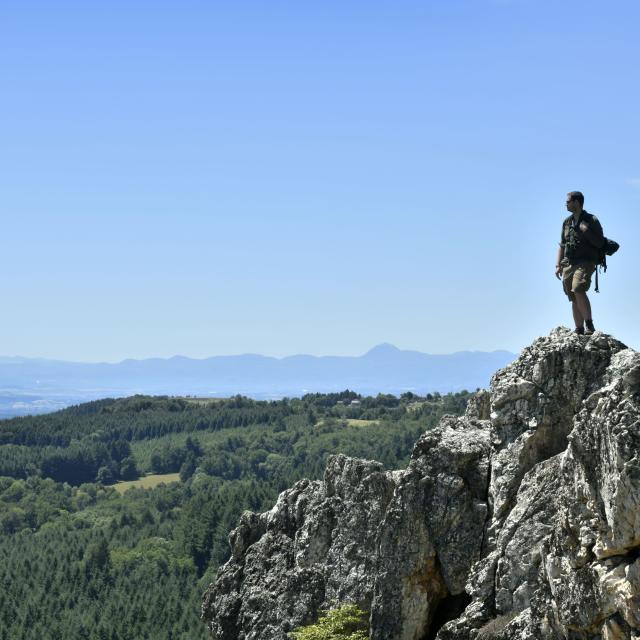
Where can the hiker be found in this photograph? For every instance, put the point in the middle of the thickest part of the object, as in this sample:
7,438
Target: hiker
578,254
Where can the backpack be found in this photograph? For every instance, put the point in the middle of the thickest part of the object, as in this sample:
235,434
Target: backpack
608,248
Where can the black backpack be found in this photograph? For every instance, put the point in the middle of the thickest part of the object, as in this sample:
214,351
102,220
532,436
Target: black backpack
608,248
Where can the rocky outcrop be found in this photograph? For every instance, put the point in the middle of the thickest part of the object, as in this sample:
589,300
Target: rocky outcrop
520,519
315,548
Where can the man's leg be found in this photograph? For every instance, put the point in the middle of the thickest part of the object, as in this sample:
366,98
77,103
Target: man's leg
580,283
578,318
567,285
581,305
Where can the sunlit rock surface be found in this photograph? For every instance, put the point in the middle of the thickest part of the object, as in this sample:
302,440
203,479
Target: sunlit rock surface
519,520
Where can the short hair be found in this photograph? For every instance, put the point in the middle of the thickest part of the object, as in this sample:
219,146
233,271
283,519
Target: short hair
576,195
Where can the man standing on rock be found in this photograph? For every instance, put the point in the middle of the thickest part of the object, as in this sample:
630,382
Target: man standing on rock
578,255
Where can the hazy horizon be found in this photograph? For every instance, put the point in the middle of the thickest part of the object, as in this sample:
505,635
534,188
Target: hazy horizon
264,355
37,385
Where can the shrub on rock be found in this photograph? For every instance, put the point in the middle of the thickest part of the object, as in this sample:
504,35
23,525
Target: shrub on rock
348,622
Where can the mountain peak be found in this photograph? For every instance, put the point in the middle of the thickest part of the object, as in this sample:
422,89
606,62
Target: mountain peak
384,348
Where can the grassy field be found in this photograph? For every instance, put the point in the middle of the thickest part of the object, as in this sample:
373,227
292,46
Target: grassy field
147,482
355,422
352,422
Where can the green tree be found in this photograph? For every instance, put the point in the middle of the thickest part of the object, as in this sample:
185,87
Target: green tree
128,469
348,622
96,557
187,469
105,476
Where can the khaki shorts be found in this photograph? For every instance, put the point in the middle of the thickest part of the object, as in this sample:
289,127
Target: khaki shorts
576,278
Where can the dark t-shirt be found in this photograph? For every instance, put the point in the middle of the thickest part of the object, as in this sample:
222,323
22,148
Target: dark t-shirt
582,246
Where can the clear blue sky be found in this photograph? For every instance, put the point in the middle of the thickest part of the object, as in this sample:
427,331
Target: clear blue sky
205,178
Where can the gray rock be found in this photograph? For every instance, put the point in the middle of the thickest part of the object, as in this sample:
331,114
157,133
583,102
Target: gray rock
433,528
316,548
525,512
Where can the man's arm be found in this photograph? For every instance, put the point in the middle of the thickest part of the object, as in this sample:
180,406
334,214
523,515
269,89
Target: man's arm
559,260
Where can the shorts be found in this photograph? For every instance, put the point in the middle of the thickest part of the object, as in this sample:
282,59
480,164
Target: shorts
576,278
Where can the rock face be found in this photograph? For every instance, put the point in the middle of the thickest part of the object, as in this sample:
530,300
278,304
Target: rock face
519,520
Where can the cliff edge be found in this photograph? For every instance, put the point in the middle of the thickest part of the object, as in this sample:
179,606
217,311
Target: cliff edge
519,520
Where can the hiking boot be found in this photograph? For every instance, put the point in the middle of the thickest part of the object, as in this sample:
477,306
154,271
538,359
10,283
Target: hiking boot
579,331
590,328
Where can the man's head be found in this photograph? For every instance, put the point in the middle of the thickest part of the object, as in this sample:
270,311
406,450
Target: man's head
575,201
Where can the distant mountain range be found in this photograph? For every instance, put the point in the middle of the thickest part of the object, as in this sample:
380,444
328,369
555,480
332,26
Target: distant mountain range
30,385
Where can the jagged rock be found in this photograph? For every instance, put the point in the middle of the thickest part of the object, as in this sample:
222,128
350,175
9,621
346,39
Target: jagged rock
433,528
525,513
563,561
314,549
374,538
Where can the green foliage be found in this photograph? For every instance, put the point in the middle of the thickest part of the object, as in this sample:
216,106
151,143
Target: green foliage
348,622
128,469
79,560
105,476
96,557
187,469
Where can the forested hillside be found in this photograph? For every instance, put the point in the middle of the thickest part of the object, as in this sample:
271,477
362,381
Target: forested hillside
78,559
